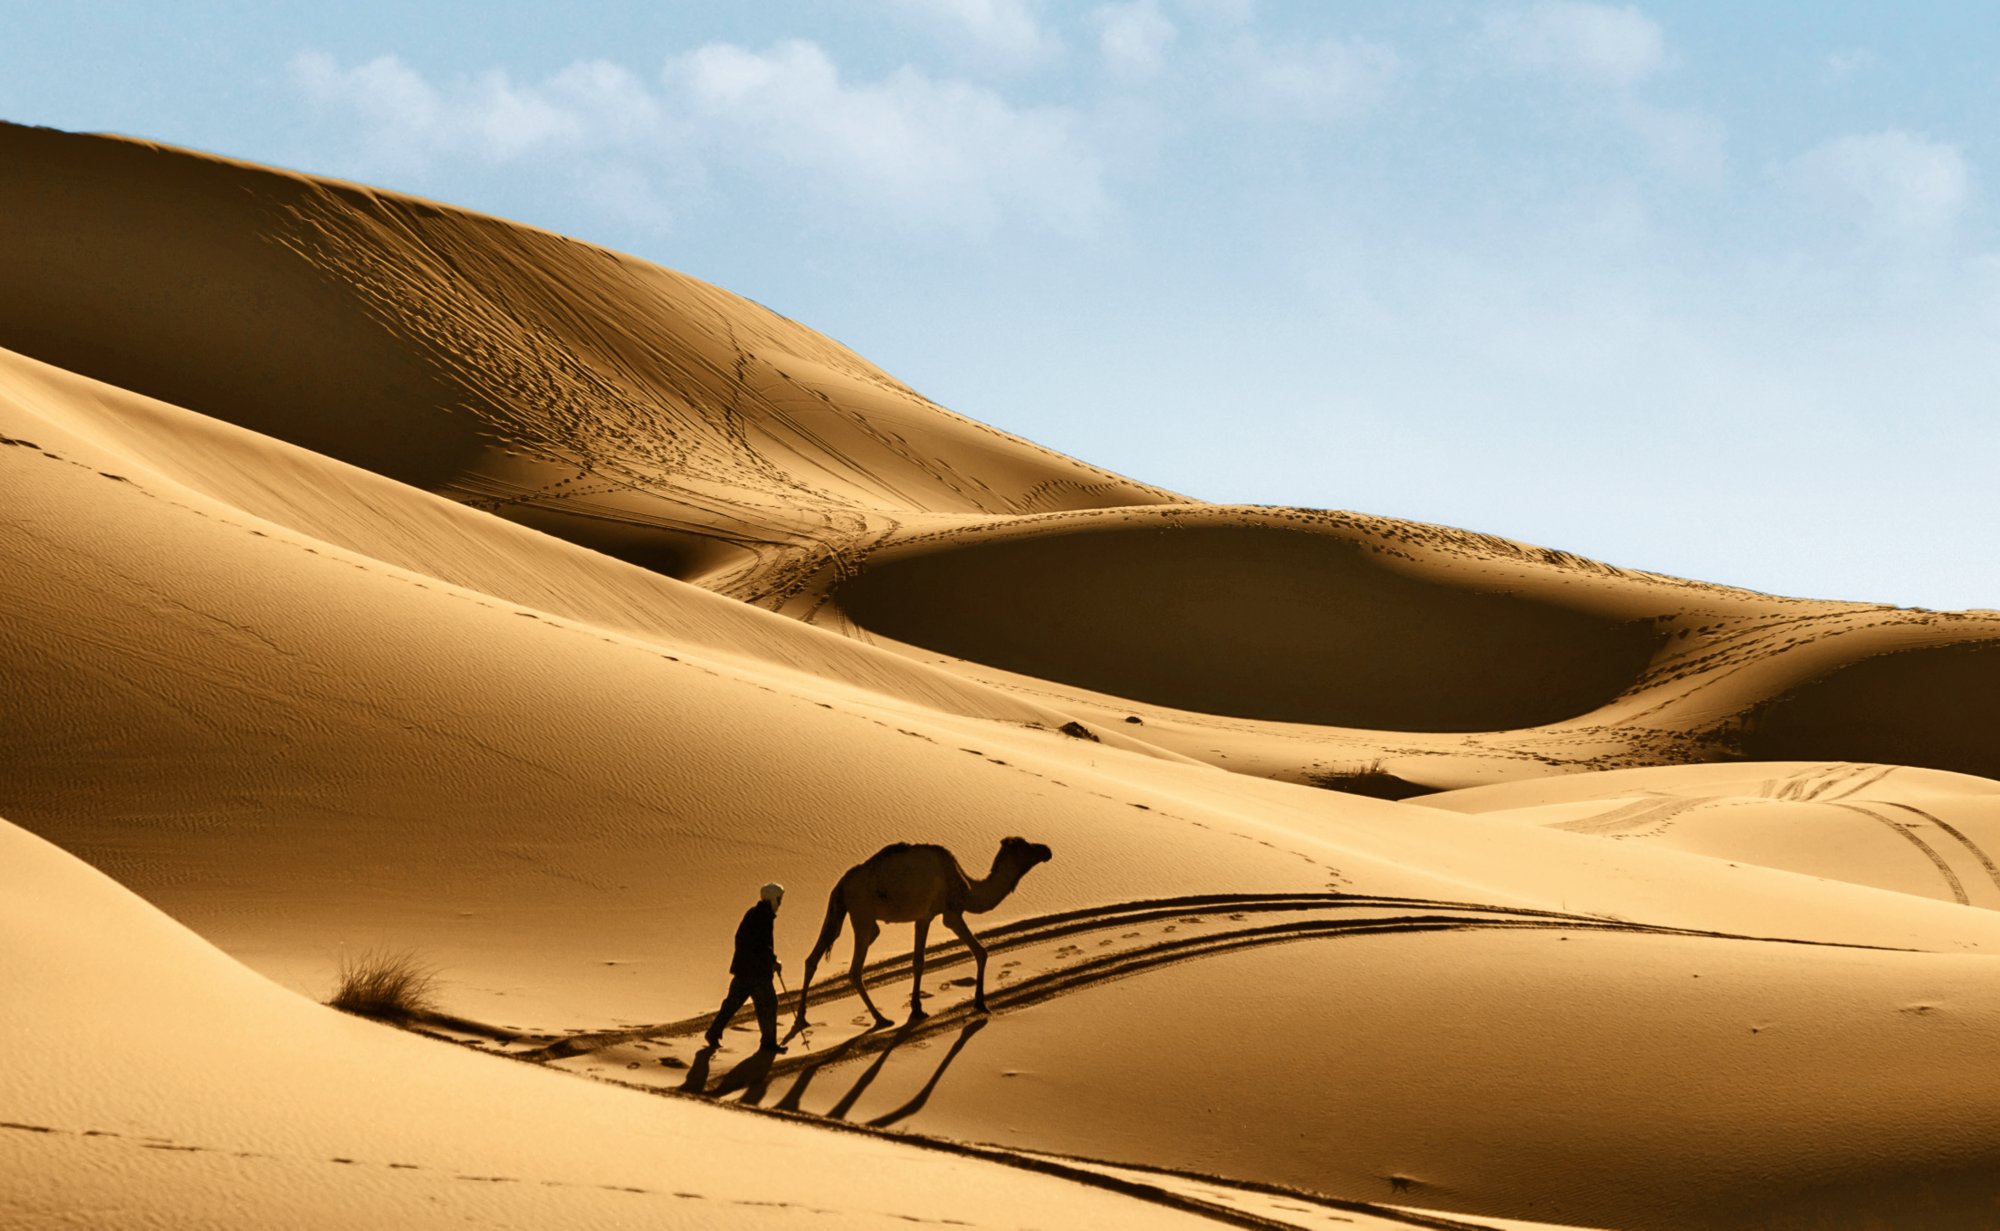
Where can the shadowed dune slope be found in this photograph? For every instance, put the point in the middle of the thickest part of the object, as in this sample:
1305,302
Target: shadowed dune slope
1252,621
645,415
1937,706
627,407
1325,646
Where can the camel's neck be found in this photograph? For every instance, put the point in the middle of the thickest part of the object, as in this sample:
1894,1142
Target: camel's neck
983,895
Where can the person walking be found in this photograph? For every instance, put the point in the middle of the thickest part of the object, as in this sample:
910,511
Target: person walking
750,970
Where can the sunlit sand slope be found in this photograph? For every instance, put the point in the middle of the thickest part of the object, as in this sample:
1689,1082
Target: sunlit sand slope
1914,831
297,746
1595,1075
150,1081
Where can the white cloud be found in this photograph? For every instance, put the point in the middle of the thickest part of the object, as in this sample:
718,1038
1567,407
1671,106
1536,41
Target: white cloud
940,154
1591,42
1326,80
1007,33
404,122
944,154
1133,37
1895,181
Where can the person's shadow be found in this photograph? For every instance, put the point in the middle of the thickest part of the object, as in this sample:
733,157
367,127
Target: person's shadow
696,1081
752,1075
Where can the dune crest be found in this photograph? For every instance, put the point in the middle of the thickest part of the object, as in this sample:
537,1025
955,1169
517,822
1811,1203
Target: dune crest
641,413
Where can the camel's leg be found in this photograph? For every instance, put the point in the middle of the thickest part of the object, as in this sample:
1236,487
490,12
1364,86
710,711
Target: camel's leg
958,926
917,1010
865,931
805,989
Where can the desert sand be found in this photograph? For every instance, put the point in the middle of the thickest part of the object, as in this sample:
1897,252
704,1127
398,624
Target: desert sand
381,576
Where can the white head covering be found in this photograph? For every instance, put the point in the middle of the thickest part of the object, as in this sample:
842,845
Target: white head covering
772,893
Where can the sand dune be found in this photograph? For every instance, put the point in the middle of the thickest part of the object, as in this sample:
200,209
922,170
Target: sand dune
640,413
217,1099
622,405
381,574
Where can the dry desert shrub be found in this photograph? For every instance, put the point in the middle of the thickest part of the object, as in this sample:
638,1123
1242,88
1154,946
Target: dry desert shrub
387,984
1370,779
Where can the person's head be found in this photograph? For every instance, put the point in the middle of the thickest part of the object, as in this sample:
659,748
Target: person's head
774,893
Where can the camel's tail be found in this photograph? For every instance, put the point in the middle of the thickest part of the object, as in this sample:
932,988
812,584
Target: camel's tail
829,930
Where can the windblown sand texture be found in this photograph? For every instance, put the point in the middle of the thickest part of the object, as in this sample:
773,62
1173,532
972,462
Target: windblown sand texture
378,574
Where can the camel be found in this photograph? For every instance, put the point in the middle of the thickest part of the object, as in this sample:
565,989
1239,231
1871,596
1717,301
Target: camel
906,883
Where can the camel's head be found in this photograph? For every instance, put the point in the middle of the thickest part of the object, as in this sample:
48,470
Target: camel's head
1024,852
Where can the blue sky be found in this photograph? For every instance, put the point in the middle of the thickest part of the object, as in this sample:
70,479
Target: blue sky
1705,288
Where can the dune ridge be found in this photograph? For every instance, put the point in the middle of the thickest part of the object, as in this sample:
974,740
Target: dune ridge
641,413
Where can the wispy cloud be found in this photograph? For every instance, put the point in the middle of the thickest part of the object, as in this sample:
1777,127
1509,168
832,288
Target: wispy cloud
1684,143
1132,37
938,153
1609,54
1001,33
1590,42
1328,79
941,155
1893,181
400,118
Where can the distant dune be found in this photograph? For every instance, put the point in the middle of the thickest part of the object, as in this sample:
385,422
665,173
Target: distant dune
380,574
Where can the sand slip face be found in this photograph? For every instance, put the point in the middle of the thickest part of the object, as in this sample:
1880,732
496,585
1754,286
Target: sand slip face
1352,651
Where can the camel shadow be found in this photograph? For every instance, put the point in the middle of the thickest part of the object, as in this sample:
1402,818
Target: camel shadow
917,1100
845,1104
